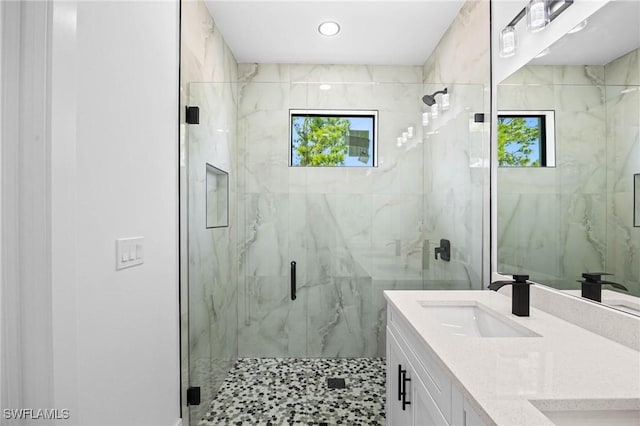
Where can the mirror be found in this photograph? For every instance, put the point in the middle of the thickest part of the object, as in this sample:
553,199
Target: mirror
555,223
217,197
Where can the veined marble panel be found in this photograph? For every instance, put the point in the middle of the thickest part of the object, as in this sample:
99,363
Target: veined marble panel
349,227
556,75
623,160
625,70
337,318
265,249
212,272
269,322
462,55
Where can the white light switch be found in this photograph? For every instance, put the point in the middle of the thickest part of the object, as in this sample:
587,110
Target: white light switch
129,252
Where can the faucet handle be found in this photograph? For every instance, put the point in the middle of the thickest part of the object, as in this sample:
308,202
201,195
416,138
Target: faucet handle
593,276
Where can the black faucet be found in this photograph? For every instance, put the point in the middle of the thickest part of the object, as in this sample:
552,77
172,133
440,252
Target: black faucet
592,285
519,295
444,250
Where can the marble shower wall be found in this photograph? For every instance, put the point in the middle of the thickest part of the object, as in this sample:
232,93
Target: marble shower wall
622,79
352,231
552,221
211,270
556,223
456,152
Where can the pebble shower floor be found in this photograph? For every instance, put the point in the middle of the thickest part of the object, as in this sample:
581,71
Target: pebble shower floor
294,391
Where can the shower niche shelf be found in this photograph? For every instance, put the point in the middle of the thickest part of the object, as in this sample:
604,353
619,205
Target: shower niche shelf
217,209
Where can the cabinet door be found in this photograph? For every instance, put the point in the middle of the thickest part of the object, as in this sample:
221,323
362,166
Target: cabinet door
397,414
462,412
425,410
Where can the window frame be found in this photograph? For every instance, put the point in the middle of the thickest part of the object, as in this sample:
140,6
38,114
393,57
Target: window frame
337,113
547,141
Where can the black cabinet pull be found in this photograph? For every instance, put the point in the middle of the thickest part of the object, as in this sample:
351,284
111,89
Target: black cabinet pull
293,280
405,379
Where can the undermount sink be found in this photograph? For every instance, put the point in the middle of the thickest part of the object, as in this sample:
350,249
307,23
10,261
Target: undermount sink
594,417
474,320
591,412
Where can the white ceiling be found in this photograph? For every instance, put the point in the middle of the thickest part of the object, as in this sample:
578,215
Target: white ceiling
373,32
610,33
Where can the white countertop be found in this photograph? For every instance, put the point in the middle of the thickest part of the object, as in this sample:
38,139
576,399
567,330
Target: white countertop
502,374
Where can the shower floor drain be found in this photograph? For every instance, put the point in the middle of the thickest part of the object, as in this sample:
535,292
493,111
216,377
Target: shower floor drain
336,383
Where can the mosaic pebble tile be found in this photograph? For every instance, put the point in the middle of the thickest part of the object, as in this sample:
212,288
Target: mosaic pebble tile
294,391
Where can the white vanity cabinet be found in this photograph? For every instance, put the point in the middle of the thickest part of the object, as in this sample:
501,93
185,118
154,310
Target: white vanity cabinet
418,391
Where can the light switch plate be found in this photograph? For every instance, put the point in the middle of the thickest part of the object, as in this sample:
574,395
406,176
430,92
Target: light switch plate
129,252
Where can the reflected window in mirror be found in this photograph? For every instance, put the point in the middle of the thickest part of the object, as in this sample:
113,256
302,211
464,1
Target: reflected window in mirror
526,139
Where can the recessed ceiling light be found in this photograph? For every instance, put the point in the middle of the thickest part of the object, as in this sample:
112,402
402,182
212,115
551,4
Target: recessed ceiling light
545,52
329,28
325,87
578,27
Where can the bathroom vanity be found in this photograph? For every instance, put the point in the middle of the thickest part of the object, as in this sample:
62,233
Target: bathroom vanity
462,358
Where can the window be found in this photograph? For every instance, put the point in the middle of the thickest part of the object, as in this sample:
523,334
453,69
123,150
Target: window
526,139
321,138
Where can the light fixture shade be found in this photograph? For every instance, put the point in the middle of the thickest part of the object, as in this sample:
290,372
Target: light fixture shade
425,118
410,132
434,110
399,142
537,15
508,42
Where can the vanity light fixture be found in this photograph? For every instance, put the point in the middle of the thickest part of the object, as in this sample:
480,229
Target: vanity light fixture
539,14
425,118
508,42
329,28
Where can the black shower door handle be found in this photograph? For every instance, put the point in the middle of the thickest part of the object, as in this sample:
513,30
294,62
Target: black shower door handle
293,280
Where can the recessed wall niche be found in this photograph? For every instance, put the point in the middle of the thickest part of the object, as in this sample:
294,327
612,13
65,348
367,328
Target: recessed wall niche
217,197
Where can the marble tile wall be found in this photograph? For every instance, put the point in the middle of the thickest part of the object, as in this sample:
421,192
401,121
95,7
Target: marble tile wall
558,222
457,150
356,232
622,78
352,231
552,221
211,271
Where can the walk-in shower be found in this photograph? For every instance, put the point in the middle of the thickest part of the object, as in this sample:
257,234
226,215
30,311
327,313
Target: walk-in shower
352,232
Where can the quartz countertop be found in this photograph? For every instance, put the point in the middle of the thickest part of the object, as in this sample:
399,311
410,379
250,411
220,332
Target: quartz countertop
564,367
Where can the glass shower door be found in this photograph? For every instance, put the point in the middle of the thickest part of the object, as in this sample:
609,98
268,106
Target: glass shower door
272,213
211,233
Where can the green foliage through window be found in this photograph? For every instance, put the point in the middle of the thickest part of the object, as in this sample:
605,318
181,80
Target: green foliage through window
521,141
332,140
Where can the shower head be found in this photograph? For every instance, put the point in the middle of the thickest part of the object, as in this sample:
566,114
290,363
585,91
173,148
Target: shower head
431,99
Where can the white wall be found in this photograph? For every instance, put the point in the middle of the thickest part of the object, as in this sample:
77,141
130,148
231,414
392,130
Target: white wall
126,170
112,149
